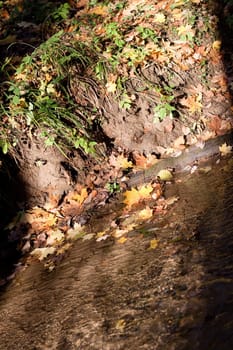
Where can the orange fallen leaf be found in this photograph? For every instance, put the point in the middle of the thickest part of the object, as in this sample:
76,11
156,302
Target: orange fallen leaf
134,196
193,102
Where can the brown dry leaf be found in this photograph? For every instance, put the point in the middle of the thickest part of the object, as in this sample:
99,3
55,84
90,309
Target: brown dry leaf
193,102
143,162
225,149
215,123
179,143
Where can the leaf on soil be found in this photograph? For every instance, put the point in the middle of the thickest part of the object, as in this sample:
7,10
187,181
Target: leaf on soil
143,162
217,45
99,10
134,196
111,87
39,218
186,32
154,244
120,162
225,149
165,175
80,198
42,253
145,214
179,143
55,237
159,18
193,102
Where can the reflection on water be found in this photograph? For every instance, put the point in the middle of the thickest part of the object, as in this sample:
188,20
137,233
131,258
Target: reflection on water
110,296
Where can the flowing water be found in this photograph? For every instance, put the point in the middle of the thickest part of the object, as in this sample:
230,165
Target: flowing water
109,296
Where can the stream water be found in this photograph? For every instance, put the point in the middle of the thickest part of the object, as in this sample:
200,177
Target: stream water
109,296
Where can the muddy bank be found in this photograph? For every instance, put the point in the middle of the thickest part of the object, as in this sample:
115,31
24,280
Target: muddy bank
105,295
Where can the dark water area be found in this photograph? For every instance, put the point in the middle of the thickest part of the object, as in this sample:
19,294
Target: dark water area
105,295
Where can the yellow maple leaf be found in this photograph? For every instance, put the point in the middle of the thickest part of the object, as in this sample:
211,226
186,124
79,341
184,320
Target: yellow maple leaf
154,244
145,191
121,162
225,149
134,196
131,197
80,197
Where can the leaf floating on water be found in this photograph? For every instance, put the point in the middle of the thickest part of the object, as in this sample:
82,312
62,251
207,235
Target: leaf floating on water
42,253
154,244
101,236
76,232
88,236
171,200
122,240
120,325
225,149
165,175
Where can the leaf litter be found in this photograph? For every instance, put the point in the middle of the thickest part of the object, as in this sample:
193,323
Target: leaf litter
51,231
